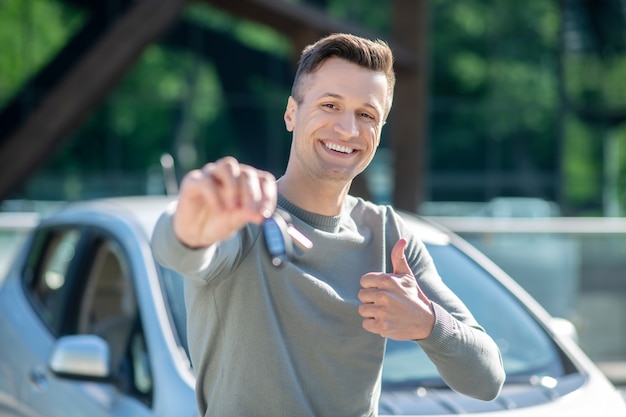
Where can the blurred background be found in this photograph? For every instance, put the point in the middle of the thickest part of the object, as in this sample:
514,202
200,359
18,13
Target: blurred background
508,126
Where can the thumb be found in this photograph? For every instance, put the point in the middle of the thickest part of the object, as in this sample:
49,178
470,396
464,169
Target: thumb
398,260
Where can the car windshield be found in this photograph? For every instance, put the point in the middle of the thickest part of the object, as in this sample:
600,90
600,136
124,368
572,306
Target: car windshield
526,348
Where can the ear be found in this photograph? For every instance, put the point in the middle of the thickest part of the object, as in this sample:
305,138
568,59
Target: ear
290,114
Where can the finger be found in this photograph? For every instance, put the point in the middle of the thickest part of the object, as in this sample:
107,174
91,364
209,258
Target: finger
196,201
364,310
373,325
258,192
270,193
373,280
369,311
398,260
198,188
367,295
249,190
226,172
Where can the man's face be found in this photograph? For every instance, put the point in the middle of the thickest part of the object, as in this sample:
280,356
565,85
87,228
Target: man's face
337,126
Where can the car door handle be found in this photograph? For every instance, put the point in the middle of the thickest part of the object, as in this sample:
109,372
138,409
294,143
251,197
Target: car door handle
39,380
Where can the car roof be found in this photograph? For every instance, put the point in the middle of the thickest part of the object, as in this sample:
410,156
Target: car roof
146,210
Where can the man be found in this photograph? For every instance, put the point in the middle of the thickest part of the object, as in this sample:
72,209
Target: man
308,339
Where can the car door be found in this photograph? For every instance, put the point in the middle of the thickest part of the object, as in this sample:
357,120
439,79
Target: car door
77,282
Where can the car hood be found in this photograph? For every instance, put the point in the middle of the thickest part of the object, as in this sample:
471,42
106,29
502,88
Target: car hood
572,395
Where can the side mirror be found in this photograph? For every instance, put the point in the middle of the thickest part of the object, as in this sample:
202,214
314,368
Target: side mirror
564,327
84,357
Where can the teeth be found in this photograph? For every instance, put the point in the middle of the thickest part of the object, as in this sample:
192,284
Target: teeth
338,148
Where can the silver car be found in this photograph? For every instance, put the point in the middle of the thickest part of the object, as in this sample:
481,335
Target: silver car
92,326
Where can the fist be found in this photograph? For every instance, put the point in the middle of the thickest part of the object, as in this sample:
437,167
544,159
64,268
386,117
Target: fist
216,201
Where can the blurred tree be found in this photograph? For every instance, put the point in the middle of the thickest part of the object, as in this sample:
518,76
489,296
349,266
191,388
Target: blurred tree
494,95
194,95
524,100
595,177
31,34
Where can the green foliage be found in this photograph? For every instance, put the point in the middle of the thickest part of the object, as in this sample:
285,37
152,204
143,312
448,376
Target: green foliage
31,33
374,15
171,101
139,120
597,81
582,164
494,93
495,108
252,34
596,90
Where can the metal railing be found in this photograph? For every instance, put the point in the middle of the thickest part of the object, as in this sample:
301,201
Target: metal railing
575,267
545,225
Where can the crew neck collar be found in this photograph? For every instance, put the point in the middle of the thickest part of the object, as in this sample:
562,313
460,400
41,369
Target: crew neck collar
313,219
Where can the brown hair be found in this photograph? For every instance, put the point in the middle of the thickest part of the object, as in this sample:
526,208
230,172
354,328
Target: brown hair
374,55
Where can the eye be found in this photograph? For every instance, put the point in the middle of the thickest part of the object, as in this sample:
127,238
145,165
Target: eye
329,105
367,116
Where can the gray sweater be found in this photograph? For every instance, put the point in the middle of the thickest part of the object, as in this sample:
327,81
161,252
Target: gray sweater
289,342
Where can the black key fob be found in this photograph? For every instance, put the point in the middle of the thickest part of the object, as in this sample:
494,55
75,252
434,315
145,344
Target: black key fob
280,235
277,240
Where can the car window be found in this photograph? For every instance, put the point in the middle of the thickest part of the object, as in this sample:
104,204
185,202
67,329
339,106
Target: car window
526,348
173,286
109,309
108,306
47,274
140,382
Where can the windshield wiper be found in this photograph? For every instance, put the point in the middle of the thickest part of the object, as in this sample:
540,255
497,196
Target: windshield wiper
430,383
545,381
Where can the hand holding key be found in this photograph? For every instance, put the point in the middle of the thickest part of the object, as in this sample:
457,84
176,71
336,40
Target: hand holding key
219,199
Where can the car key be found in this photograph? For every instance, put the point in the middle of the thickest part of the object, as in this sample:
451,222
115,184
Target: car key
280,235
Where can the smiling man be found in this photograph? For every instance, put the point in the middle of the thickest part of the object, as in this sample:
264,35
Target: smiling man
308,339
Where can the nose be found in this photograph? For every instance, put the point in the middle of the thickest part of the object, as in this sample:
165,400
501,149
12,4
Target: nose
346,125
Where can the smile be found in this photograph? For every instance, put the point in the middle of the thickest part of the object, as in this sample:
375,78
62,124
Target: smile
338,148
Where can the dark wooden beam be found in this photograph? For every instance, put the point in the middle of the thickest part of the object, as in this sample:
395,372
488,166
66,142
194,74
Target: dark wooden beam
17,110
409,116
304,24
82,88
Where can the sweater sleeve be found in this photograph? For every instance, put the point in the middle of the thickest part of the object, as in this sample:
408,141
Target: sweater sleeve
466,357
170,252
200,264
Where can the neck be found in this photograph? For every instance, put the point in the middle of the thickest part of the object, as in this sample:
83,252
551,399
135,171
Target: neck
326,199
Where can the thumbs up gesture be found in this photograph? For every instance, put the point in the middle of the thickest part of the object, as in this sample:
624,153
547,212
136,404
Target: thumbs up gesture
393,305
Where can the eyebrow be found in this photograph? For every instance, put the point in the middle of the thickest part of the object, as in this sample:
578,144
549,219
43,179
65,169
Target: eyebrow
340,97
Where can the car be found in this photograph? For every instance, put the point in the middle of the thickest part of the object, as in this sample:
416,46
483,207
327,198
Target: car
93,326
520,207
